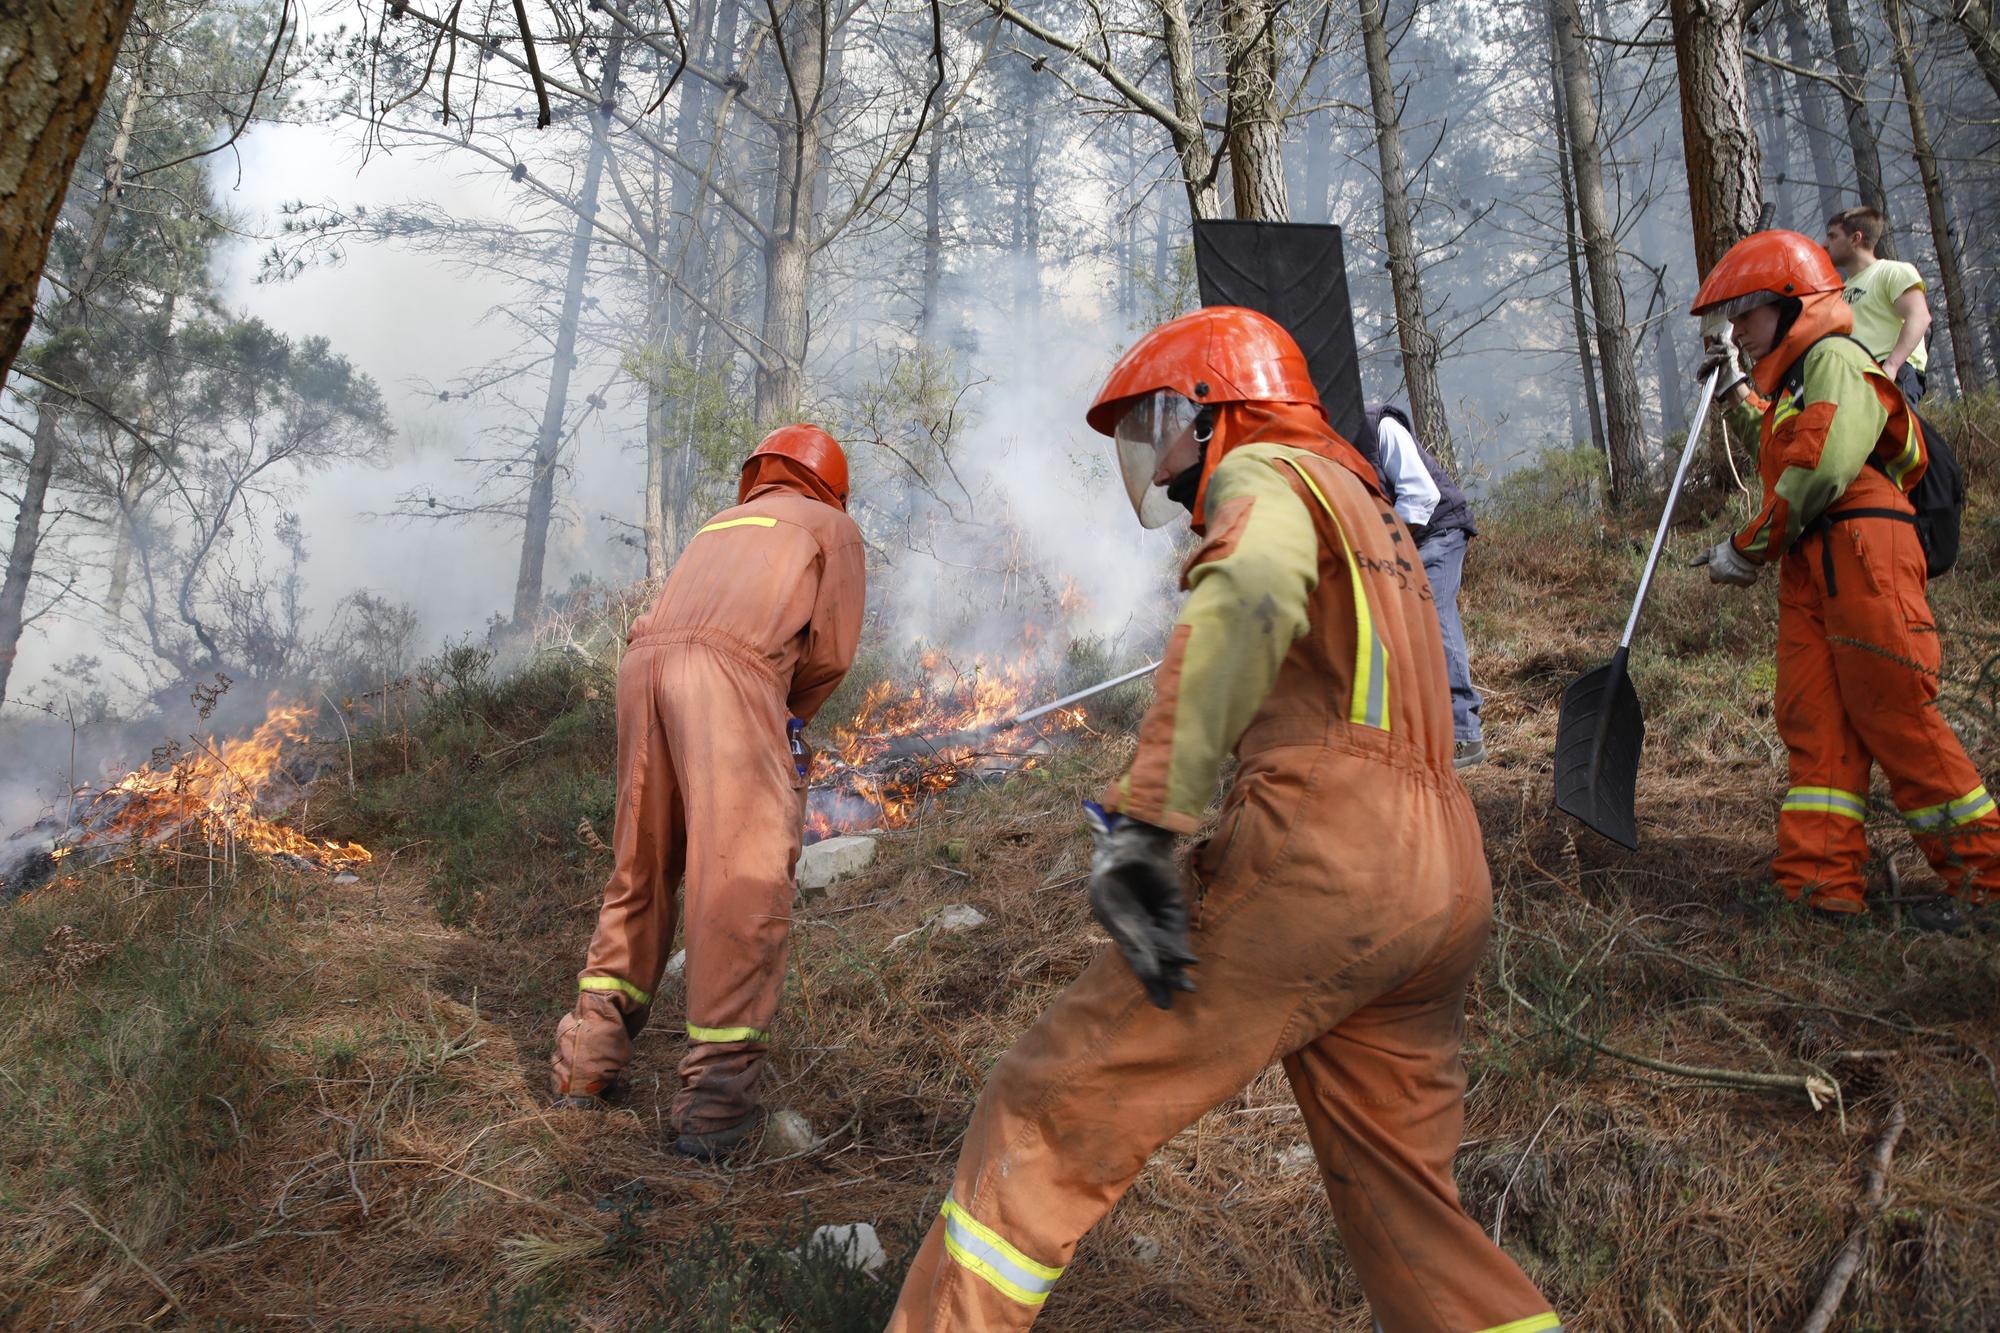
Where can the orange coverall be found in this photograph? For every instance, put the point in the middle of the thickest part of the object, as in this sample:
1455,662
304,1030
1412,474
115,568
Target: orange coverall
758,619
1338,914
1858,653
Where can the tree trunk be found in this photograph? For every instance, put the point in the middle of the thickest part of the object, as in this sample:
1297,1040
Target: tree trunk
56,59
788,248
1673,410
1189,138
1587,367
1860,129
1957,309
1724,182
933,282
1256,126
1625,430
1776,142
549,436
1812,109
1975,23
1413,329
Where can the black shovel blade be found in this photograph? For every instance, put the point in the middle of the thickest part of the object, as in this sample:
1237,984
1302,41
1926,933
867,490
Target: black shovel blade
1599,735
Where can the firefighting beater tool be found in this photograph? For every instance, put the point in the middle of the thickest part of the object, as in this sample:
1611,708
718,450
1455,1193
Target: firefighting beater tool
1601,728
907,747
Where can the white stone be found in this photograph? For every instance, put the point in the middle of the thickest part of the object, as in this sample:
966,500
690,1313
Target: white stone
824,863
678,963
1298,1157
1146,1250
854,1243
789,1132
951,920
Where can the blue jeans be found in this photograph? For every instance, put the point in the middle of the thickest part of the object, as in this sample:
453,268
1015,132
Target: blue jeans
1443,554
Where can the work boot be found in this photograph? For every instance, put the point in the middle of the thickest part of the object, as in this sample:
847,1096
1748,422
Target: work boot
580,1101
717,1144
1946,915
1464,754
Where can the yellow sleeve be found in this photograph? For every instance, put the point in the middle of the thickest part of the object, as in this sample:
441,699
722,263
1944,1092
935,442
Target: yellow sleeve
1248,586
1839,419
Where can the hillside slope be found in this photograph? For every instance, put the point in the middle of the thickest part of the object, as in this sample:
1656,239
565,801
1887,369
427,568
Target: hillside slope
283,1100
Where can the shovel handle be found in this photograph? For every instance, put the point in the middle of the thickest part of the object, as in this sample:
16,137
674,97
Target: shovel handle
1673,496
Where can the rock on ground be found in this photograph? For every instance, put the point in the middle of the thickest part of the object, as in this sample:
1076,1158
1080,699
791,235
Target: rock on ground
950,920
855,1243
678,963
789,1132
824,863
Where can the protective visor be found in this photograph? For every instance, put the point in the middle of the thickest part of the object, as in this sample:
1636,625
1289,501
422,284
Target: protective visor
1739,305
1145,435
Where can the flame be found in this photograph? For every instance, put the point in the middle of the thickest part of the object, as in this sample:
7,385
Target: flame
215,791
859,784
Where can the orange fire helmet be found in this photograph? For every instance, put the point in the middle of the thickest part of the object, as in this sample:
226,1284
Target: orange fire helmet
1764,267
809,447
1218,354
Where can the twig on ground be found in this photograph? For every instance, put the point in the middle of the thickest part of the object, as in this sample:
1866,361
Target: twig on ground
158,1284
1849,1258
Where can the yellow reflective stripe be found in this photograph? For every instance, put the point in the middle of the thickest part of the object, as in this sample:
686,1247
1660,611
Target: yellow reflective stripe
1912,454
1975,804
1827,801
614,983
980,1249
727,1034
1370,705
1534,1323
752,522
1787,408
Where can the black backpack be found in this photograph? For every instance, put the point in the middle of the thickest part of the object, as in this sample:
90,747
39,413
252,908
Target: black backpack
1939,496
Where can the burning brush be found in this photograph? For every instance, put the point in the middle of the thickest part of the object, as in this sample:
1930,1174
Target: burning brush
906,745
221,793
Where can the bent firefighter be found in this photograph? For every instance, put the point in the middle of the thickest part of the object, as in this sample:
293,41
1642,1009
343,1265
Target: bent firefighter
755,626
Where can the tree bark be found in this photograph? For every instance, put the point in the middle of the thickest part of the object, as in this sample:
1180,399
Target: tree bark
1587,368
1975,23
1624,428
789,245
549,436
1957,309
1413,330
1860,129
1256,126
56,59
1724,170
1673,411
1812,109
1776,144
1190,139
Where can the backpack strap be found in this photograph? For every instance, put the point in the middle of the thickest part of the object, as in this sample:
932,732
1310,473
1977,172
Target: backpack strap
1823,527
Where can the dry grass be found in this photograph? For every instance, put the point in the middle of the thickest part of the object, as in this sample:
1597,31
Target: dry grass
386,1158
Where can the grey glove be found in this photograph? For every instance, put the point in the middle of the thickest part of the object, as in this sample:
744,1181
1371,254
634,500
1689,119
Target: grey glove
1726,564
1718,352
1135,894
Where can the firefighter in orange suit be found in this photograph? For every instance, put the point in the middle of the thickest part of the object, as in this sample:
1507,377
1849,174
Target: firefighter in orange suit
1839,450
757,623
1332,923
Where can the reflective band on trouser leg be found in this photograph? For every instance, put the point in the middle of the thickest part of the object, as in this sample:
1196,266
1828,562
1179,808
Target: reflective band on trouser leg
1549,1322
727,1034
1827,801
619,984
1975,804
1370,706
979,1249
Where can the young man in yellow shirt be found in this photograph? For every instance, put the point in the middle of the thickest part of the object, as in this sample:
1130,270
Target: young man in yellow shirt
1891,313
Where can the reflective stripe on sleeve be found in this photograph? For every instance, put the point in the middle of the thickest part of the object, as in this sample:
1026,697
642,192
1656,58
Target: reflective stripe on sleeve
1548,1322
1370,705
1913,453
751,522
727,1034
979,1249
1826,801
618,984
1975,804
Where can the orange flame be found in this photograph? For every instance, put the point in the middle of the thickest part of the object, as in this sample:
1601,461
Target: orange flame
214,791
858,786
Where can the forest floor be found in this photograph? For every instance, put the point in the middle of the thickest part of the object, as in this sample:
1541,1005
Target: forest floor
278,1101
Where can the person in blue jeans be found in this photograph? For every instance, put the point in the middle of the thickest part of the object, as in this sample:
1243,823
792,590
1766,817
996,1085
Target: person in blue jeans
1440,519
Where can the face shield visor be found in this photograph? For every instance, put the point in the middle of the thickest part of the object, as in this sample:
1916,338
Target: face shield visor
1145,435
1740,305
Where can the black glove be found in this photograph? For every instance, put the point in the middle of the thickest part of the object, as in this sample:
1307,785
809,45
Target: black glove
1135,894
